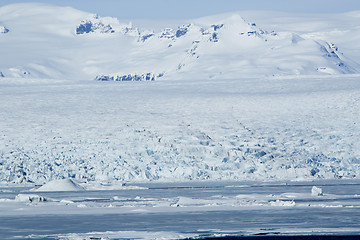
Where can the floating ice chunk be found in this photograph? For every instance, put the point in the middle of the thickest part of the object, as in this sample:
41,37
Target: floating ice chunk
30,198
184,201
3,29
60,185
280,203
316,191
122,235
67,202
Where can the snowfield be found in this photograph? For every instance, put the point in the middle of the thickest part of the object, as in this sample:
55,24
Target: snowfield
64,43
218,126
267,128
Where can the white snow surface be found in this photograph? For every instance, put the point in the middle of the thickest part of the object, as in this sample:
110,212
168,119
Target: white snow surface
45,41
316,191
268,128
60,185
230,100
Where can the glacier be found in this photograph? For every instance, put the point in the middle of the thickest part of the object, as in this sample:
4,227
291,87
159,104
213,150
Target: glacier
270,128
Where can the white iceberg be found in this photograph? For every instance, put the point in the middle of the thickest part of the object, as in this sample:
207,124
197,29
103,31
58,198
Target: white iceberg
60,185
316,191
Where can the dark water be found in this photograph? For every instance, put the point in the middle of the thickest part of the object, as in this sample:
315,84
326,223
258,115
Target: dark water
261,223
265,222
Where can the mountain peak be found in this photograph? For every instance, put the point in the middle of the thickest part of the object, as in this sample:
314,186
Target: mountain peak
217,46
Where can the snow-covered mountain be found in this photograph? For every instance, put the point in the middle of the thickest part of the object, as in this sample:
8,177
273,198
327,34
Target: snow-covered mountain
45,41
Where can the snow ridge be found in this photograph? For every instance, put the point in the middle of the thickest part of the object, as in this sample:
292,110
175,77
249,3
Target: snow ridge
104,25
229,47
129,77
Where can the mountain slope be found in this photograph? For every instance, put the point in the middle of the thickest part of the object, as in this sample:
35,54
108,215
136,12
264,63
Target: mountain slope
44,41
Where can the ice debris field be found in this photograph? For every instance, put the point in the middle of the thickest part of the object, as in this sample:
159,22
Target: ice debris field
63,209
104,119
249,129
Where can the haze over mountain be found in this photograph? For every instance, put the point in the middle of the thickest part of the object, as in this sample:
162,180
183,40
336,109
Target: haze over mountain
44,41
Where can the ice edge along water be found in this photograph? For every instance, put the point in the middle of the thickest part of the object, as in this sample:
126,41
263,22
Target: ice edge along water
180,210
